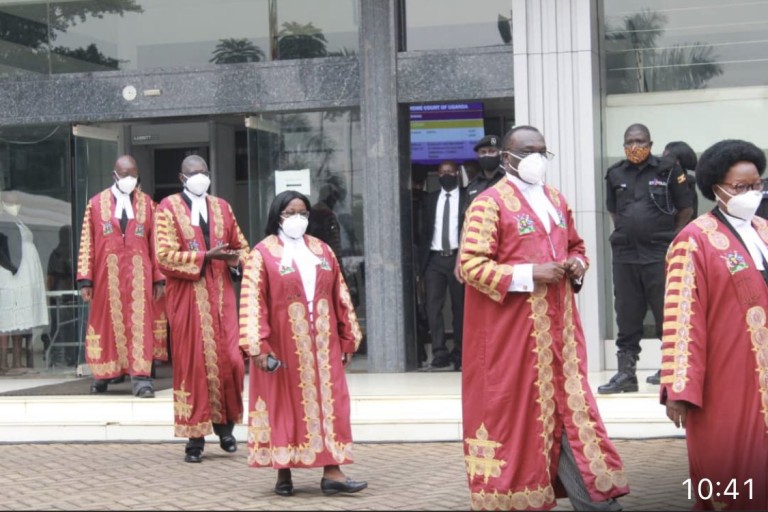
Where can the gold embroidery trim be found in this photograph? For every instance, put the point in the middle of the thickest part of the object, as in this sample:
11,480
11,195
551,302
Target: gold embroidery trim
218,218
306,453
346,299
680,286
201,429
182,406
209,350
92,344
138,294
168,247
141,205
482,452
756,320
180,212
605,477
545,374
534,499
86,246
105,202
250,311
116,310
479,231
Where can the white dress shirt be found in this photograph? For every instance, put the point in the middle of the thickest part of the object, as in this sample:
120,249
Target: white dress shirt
199,207
755,246
453,234
122,203
296,250
522,273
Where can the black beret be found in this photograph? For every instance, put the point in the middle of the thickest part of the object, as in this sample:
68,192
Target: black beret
493,141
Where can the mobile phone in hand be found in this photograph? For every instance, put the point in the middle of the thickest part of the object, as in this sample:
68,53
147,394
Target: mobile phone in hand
273,364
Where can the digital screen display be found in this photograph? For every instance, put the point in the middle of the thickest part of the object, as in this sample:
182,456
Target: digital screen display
445,131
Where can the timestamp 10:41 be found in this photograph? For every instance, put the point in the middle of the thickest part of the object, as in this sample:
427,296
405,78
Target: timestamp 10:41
707,489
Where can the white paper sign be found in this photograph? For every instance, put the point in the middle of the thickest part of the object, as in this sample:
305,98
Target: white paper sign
293,180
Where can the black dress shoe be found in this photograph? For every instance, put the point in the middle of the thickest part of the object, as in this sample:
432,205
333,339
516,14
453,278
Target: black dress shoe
654,379
98,388
194,456
146,393
329,486
228,444
284,488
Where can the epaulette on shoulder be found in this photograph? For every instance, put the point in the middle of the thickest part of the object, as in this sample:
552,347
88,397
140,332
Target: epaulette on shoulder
615,165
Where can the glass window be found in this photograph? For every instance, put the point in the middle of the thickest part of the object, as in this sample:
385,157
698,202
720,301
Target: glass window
325,146
447,24
36,253
87,36
658,45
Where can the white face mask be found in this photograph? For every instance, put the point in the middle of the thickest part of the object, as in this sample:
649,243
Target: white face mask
295,226
532,168
12,209
743,206
127,184
198,184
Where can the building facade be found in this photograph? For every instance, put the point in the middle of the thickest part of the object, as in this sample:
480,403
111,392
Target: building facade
321,91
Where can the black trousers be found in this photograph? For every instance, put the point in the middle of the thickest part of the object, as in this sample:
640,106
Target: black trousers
636,288
438,281
220,429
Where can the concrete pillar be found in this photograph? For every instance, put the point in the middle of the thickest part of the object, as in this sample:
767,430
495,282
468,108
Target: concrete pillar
557,90
386,205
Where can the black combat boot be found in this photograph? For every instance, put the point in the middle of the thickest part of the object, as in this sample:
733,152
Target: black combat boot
625,380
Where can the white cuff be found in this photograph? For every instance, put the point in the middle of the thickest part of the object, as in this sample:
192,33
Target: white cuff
522,278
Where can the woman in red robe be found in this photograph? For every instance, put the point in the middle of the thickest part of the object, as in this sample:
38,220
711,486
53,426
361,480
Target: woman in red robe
295,308
714,371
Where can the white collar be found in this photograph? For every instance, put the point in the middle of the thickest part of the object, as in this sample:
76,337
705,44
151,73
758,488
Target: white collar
296,250
735,221
199,207
122,203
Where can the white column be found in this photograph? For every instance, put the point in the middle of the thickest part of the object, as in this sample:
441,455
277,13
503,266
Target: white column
557,90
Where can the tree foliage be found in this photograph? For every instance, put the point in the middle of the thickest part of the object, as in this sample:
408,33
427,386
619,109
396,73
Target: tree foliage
233,50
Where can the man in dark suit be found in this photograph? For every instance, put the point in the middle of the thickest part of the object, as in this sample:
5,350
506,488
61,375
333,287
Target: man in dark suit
438,250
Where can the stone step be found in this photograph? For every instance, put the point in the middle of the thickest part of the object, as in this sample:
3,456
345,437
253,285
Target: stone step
384,408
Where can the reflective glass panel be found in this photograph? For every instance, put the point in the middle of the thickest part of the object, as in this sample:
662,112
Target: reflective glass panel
658,45
38,304
91,35
446,24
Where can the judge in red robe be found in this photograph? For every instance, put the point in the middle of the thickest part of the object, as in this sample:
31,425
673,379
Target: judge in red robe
295,308
714,372
117,273
199,249
530,419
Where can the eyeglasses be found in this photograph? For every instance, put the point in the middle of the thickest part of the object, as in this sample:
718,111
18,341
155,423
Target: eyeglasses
546,154
741,188
291,214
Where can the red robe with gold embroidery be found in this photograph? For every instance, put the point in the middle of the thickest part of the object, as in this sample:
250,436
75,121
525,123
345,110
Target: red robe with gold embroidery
120,338
208,368
298,415
715,356
524,365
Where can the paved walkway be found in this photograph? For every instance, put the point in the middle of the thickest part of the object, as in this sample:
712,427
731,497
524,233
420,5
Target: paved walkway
415,476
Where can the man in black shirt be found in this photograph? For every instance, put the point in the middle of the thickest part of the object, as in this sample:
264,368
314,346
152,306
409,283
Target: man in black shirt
649,201
489,159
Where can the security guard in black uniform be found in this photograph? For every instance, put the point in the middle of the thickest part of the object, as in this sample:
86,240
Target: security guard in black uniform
489,159
649,201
